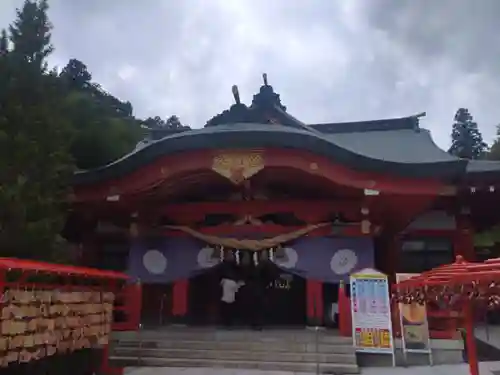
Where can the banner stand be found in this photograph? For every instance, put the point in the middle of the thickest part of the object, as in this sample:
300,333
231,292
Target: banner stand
416,326
371,313
407,350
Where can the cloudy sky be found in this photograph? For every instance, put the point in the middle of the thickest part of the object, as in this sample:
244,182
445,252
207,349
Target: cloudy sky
331,60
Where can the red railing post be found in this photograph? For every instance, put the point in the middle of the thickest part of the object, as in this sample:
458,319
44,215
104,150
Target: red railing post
470,339
105,368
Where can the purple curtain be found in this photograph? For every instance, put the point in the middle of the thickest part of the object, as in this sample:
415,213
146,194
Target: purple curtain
326,259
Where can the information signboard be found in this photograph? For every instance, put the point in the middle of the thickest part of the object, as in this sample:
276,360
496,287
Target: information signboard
414,325
371,313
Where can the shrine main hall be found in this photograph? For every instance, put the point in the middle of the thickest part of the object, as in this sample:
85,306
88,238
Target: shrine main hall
256,185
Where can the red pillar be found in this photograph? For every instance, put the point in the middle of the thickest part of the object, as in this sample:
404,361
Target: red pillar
135,308
463,242
315,309
180,298
345,317
393,256
390,261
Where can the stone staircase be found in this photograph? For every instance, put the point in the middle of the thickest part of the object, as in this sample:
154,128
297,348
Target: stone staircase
298,350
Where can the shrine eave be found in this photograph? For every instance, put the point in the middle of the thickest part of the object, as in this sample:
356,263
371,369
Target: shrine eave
482,171
403,152
399,123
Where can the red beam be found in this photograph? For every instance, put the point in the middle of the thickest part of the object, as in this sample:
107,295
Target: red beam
302,209
172,167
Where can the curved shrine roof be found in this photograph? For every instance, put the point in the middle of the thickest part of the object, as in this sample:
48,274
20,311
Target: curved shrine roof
482,170
390,146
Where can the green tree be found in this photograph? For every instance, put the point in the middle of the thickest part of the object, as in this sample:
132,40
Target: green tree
173,122
154,123
4,43
494,153
466,139
76,75
104,126
102,140
35,163
30,35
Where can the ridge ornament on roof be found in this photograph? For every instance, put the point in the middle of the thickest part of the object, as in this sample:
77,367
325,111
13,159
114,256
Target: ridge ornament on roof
236,95
267,98
266,108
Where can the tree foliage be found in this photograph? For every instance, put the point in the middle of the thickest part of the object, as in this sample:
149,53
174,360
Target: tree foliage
105,129
35,137
4,42
173,122
30,34
76,75
50,125
494,153
105,126
466,139
157,123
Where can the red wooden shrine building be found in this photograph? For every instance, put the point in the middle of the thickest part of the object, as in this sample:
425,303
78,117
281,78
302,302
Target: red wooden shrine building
255,184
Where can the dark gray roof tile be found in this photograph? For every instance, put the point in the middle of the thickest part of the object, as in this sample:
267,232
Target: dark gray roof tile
402,146
405,152
368,126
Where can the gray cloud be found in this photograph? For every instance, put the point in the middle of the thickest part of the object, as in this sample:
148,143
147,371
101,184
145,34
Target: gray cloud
460,30
329,60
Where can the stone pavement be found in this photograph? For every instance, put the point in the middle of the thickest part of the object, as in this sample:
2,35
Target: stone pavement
485,369
489,334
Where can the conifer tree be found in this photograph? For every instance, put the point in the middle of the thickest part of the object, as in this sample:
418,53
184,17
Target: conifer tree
35,165
466,139
4,43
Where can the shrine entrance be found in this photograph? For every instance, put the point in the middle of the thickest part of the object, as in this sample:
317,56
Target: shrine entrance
204,298
283,297
286,301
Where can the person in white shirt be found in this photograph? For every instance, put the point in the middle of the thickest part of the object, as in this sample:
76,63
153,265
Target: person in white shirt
229,289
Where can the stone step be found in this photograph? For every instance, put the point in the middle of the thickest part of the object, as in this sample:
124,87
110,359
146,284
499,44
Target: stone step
241,355
330,368
277,346
302,336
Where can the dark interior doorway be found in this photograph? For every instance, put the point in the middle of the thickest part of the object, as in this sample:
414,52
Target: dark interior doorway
284,301
330,304
204,296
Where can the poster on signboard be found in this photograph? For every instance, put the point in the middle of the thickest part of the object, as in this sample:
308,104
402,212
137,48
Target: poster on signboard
371,313
414,325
